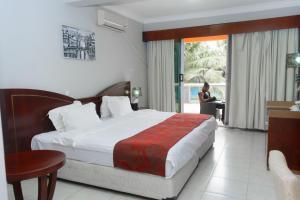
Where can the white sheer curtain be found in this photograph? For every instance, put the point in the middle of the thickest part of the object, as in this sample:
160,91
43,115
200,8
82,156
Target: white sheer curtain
161,86
259,74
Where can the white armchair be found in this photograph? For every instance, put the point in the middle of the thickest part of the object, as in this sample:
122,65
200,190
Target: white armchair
286,183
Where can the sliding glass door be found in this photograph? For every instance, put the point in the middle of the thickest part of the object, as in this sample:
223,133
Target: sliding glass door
178,74
199,60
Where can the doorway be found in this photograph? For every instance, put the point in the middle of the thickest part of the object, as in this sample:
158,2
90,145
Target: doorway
204,60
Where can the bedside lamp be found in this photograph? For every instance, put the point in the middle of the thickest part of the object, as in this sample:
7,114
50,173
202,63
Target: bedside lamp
136,93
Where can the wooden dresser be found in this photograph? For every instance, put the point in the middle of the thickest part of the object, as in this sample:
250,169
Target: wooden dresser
284,132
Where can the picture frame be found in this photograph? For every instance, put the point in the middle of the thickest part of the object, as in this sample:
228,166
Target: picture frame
78,44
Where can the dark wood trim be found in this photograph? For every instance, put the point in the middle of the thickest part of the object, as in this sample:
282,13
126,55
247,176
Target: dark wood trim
117,89
224,29
42,192
18,190
52,184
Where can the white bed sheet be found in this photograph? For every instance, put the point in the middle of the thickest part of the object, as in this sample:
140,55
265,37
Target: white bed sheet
95,145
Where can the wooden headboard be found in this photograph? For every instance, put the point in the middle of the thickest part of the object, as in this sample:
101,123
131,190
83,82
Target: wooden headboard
24,112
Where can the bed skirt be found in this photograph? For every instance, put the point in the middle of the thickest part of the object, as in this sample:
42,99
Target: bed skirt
141,184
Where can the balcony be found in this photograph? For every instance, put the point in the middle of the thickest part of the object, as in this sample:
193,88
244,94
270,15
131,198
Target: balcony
191,102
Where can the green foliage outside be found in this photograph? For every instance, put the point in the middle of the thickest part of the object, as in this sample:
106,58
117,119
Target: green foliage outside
205,61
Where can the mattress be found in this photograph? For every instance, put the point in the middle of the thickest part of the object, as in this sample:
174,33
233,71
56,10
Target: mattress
95,145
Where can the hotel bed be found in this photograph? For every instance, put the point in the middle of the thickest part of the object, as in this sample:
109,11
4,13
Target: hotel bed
90,151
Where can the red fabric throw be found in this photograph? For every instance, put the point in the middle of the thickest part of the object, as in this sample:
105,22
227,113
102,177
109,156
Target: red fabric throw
147,151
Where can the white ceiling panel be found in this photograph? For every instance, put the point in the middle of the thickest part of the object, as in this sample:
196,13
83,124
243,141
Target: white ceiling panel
152,11
158,8
163,11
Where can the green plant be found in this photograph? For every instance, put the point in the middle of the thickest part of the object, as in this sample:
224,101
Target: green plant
205,61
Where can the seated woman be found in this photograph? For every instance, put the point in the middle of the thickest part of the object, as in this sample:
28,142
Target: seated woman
204,95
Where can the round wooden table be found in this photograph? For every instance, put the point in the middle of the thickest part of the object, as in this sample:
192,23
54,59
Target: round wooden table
26,165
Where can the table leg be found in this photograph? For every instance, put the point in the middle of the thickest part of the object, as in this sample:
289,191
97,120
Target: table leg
51,185
42,188
223,114
18,190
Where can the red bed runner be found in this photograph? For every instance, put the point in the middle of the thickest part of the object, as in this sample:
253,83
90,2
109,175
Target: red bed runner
147,151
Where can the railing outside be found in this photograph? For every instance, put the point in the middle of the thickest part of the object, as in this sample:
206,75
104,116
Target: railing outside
191,92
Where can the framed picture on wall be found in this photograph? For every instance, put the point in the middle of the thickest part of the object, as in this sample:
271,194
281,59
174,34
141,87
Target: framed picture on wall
78,44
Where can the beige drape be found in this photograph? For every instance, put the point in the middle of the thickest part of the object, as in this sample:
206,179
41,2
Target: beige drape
258,74
161,85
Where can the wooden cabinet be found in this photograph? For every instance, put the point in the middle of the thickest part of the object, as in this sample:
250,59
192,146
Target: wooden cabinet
284,133
279,105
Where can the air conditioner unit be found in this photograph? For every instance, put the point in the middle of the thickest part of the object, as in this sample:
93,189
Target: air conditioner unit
112,21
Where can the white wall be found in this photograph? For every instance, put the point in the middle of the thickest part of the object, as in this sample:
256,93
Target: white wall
31,50
3,184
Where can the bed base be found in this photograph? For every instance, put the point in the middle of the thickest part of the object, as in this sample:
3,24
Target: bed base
140,184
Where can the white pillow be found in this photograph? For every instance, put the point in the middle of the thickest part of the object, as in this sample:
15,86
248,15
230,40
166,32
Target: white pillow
56,117
82,117
119,106
104,110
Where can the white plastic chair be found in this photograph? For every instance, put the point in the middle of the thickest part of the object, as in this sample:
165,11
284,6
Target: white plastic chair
286,183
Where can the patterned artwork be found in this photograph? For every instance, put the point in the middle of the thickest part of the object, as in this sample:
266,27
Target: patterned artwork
293,60
78,44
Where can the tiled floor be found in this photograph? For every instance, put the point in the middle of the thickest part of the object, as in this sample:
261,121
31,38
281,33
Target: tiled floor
234,169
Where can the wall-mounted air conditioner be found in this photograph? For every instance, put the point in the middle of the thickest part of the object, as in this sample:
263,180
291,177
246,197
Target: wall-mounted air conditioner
112,21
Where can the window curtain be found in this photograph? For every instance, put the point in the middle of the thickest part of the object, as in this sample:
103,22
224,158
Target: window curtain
259,74
228,80
161,84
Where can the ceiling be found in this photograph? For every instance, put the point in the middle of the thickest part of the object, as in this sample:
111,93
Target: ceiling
149,9
162,11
